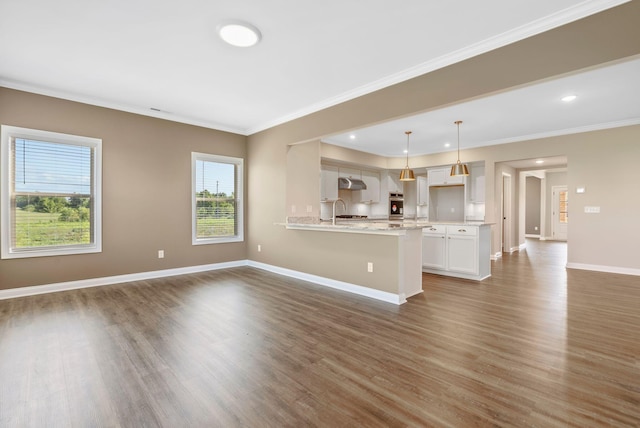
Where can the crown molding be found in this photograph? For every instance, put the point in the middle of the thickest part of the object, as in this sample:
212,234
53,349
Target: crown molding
555,20
110,104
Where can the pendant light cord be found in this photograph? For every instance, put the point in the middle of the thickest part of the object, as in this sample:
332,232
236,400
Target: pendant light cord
458,122
408,133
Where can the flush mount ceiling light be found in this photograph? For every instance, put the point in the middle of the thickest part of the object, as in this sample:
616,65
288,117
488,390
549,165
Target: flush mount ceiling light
459,168
539,161
238,33
569,98
407,174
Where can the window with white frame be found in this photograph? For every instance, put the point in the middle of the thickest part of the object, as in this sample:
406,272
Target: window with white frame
50,193
216,199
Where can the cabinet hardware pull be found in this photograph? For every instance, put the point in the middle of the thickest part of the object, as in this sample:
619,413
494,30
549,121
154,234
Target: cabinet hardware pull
461,230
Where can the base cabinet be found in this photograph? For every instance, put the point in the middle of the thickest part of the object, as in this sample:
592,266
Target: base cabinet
457,250
433,247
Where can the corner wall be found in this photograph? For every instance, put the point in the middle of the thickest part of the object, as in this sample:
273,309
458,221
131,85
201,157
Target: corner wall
146,190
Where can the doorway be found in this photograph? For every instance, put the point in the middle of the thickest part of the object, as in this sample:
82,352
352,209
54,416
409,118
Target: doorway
560,213
506,213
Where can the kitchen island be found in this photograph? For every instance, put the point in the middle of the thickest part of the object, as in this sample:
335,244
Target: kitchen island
385,259
387,255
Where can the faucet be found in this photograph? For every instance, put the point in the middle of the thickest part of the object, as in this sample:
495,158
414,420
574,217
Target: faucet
333,217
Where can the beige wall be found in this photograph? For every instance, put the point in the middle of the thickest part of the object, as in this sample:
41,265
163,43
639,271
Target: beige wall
146,167
604,37
146,190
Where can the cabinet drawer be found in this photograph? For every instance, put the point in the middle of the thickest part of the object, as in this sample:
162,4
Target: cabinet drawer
434,230
462,230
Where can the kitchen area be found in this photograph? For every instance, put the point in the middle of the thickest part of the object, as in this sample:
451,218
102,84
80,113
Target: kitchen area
437,220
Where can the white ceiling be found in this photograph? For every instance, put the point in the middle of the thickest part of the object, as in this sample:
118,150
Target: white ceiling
606,97
139,55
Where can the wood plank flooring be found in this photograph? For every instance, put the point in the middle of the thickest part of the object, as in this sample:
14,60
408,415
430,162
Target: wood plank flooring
534,345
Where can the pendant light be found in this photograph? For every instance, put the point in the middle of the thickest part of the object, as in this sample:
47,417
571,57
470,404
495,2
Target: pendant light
459,168
407,174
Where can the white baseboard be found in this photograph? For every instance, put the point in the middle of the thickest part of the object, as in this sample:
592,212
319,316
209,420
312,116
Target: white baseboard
531,236
384,296
522,246
496,256
607,269
117,279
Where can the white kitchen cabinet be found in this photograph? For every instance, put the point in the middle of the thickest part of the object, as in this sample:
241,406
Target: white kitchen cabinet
370,195
442,177
476,184
349,172
459,250
394,184
329,183
433,247
462,249
423,191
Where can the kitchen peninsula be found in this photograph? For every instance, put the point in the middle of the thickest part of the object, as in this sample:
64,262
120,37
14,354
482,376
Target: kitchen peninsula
390,254
465,253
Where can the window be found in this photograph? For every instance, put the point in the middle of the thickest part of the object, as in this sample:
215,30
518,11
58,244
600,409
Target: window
50,194
563,209
216,199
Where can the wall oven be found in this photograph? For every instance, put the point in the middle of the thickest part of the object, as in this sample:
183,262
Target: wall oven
396,208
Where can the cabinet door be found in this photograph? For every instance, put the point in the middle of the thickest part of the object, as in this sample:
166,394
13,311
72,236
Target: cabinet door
349,173
423,191
433,250
395,185
329,183
442,177
436,177
371,194
462,249
476,183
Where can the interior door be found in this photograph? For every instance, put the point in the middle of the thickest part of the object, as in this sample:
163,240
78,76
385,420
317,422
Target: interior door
560,214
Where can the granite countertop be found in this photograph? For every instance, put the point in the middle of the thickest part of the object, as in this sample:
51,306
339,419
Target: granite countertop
353,225
366,225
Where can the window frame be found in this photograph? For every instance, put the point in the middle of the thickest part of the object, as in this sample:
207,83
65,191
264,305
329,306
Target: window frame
238,193
7,189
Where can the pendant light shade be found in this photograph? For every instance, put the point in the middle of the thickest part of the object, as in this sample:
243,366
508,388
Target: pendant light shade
407,174
459,168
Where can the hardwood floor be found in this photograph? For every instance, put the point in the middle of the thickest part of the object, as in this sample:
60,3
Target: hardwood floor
534,345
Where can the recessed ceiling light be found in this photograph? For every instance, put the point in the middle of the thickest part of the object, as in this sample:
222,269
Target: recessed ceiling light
539,161
447,144
238,33
352,137
569,98
405,151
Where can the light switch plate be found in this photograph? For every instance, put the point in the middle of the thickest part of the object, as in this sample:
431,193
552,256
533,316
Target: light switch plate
592,210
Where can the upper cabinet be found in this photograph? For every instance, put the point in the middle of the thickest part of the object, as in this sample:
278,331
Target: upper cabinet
394,183
441,177
329,183
476,184
423,191
371,195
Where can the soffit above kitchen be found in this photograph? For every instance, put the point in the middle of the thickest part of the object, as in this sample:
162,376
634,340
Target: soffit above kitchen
164,58
601,98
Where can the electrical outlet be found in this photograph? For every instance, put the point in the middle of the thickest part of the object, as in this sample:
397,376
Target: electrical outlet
309,208
369,267
259,248
161,254
535,228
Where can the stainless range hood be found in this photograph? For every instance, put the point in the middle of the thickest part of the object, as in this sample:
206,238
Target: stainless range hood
351,183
